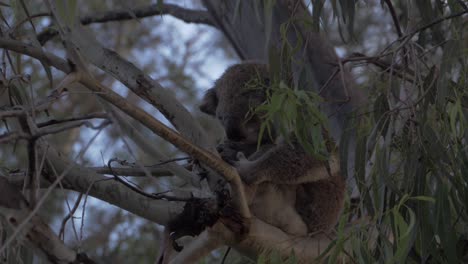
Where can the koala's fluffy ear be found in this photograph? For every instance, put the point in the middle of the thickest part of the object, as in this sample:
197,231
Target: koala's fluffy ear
209,102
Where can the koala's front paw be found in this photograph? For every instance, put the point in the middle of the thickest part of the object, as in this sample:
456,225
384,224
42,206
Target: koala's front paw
227,153
245,169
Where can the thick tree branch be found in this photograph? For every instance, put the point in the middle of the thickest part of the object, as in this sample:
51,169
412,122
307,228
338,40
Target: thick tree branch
139,82
86,180
185,145
15,209
262,238
212,161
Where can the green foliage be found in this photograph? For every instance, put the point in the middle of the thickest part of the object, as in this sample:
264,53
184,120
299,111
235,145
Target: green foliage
291,109
411,153
411,169
294,111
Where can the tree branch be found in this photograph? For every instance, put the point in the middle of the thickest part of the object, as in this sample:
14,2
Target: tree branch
82,179
394,17
212,161
184,14
139,82
15,208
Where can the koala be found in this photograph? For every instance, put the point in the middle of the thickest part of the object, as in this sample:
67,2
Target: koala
287,187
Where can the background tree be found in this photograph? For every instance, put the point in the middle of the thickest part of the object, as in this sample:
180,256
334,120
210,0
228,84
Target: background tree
90,90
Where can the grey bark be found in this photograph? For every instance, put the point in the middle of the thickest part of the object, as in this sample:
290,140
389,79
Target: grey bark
28,225
87,181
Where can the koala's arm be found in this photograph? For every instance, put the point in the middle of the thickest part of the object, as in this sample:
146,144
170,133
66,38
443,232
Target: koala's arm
285,164
229,149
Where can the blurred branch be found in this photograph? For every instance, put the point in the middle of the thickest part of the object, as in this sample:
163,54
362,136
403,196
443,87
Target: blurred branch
405,38
404,73
15,209
397,28
69,216
436,21
184,14
9,136
394,17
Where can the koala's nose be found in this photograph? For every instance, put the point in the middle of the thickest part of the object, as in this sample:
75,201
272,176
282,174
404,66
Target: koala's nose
234,130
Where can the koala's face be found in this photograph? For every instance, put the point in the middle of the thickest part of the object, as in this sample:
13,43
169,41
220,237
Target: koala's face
233,100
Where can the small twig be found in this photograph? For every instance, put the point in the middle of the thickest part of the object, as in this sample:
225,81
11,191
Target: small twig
435,22
325,85
33,181
68,216
17,135
157,196
79,118
54,129
396,70
397,28
41,201
462,4
135,172
404,39
83,212
29,18
169,161
225,255
394,17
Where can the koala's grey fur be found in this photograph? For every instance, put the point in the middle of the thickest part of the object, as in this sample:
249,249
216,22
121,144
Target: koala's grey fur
288,187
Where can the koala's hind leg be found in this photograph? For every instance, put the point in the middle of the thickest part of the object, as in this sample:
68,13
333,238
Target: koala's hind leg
290,222
320,203
274,204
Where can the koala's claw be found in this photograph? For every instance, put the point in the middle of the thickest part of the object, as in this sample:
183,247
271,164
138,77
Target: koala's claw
227,153
241,157
244,168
